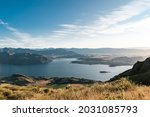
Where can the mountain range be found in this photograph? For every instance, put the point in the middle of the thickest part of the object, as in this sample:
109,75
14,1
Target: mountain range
58,52
20,56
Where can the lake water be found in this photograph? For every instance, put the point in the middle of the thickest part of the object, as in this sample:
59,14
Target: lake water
64,68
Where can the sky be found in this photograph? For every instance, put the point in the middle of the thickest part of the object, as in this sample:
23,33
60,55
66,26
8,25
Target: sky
74,23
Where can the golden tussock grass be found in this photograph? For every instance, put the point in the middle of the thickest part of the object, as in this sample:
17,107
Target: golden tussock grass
118,90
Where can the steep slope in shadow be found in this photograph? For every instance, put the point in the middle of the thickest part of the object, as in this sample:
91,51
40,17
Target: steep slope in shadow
140,73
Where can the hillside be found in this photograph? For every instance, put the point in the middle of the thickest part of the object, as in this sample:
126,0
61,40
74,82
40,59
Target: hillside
22,58
116,90
22,80
140,73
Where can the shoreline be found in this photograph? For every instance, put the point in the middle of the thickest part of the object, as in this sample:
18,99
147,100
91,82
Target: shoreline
23,80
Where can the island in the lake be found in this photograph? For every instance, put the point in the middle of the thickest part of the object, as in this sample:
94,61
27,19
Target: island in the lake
103,72
112,62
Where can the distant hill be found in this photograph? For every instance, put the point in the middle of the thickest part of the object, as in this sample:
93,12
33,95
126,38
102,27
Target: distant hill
22,80
50,52
22,58
112,51
78,52
17,79
140,73
112,62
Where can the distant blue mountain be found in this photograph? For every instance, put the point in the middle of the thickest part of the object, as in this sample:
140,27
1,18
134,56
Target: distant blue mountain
48,52
111,51
22,58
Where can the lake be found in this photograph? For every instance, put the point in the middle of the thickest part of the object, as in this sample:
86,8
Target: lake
64,68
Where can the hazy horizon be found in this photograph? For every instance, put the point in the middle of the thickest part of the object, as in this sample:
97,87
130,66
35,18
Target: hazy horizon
75,24
137,48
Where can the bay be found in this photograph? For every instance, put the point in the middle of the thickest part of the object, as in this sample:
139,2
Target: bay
64,68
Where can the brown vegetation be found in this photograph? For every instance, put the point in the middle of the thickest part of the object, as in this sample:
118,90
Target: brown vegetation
122,89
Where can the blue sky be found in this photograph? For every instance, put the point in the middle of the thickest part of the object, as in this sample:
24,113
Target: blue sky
74,23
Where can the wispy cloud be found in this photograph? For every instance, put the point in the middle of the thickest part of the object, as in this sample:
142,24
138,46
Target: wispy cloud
116,17
3,23
21,39
123,13
110,30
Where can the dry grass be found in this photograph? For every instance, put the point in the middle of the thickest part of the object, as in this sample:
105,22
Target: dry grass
119,90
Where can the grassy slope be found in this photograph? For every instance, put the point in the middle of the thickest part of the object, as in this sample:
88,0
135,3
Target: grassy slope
120,89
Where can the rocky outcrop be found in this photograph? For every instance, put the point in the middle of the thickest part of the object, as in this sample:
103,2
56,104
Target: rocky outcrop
145,65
